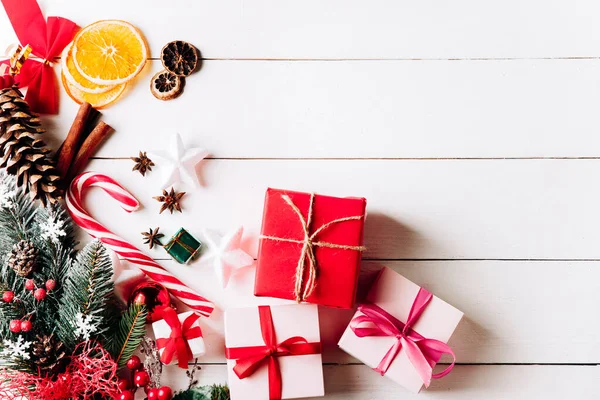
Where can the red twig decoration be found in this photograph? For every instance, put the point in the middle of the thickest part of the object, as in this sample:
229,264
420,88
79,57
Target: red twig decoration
92,371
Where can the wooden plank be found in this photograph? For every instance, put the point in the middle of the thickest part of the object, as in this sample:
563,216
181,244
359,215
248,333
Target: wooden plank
391,109
490,382
354,29
510,317
446,209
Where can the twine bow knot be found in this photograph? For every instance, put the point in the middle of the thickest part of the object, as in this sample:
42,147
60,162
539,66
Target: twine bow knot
302,289
422,353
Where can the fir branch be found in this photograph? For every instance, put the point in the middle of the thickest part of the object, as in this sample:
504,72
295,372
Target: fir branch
17,213
211,392
55,259
54,216
56,254
87,290
21,219
9,311
131,331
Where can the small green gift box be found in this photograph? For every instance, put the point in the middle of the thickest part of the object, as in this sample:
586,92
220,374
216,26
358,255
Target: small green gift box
183,247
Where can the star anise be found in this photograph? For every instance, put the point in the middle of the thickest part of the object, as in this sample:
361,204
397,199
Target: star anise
152,237
142,163
170,201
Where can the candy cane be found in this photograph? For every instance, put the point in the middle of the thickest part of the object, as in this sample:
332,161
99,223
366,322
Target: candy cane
153,270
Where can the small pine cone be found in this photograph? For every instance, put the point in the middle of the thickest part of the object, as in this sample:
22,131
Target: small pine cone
23,258
49,354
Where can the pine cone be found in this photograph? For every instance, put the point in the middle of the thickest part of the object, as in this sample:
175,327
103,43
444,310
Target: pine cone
23,258
49,354
22,152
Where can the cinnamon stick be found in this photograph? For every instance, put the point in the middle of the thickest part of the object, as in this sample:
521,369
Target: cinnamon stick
88,148
75,136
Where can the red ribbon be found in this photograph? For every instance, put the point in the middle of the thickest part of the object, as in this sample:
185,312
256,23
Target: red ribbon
47,40
422,353
178,341
249,359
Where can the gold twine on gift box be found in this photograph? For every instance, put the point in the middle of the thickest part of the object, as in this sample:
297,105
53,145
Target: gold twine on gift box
308,247
18,58
176,239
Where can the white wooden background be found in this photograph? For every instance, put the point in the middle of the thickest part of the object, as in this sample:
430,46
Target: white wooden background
471,127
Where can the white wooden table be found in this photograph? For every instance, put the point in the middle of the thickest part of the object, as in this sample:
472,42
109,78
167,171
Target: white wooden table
472,129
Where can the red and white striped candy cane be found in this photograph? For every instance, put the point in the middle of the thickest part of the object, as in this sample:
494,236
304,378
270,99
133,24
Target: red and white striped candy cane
153,270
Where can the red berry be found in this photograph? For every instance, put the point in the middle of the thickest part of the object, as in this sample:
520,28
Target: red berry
126,396
8,296
50,284
141,378
152,394
29,284
39,294
134,363
26,325
165,393
15,326
123,384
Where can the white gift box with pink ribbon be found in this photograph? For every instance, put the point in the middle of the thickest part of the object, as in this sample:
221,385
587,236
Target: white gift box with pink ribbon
401,331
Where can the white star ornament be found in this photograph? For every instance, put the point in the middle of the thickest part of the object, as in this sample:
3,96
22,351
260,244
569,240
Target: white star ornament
177,163
225,254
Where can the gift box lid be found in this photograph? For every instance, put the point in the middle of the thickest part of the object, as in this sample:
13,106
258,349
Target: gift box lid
183,247
162,329
325,209
302,376
396,294
338,269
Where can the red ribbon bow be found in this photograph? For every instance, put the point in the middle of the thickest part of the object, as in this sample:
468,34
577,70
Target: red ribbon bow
47,41
423,353
249,359
178,341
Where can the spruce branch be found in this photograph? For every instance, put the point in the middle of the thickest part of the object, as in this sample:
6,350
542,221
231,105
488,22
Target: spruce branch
209,392
58,246
87,291
55,258
22,219
17,212
129,335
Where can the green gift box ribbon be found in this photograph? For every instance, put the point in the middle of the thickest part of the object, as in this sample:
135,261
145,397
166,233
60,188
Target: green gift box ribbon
183,247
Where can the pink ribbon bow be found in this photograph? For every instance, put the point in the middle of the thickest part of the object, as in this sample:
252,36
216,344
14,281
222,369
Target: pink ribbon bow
178,340
423,353
47,40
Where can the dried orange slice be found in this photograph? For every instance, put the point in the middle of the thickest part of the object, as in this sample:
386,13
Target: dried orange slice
73,76
97,100
109,52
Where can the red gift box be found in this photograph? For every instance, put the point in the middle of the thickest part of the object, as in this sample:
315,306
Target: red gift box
310,248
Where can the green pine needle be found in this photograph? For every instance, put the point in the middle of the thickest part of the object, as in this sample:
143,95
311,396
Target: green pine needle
210,392
87,290
21,219
16,215
129,335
